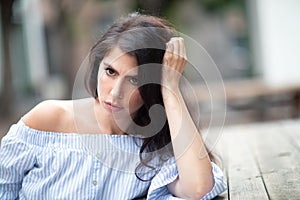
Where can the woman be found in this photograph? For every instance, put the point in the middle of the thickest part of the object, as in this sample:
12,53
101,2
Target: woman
86,149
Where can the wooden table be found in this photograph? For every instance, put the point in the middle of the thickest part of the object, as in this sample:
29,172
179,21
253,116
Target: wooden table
262,160
258,94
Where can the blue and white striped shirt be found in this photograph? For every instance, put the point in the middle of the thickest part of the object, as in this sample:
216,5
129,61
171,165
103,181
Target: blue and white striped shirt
37,164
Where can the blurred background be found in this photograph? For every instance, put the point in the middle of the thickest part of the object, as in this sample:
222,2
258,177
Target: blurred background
254,43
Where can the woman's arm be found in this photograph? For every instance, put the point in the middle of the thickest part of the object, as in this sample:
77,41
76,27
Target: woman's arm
194,166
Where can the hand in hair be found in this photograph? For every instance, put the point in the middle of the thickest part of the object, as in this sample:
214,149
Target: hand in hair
195,178
174,62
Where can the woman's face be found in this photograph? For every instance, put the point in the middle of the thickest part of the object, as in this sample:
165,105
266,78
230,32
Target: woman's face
118,84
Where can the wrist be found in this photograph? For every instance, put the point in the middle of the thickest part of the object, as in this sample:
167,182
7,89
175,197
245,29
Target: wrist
170,95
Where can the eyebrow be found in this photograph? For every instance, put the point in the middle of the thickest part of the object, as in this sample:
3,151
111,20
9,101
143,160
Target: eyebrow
108,65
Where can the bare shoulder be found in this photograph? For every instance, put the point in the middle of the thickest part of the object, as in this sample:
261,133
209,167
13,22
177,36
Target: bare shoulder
50,115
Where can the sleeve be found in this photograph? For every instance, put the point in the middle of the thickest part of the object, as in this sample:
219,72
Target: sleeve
16,159
158,188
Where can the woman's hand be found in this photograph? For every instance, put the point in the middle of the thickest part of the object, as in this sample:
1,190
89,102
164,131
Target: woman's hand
174,62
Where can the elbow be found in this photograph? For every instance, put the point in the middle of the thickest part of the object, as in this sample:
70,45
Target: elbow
201,190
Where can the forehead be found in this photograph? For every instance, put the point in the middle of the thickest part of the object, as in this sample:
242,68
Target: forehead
117,58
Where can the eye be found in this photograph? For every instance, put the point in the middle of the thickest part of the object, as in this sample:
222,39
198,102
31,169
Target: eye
109,71
134,80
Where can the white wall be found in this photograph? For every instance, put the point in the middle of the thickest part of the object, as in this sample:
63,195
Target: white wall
276,29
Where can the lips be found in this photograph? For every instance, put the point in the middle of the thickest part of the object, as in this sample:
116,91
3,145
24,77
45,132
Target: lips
112,107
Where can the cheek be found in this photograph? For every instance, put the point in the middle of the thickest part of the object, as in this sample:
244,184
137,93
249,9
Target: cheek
103,86
135,101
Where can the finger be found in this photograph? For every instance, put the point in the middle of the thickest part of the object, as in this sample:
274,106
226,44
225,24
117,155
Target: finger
170,47
176,45
181,48
168,54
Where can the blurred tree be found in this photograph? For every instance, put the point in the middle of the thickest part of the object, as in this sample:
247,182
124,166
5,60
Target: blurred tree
62,28
7,87
154,7
214,5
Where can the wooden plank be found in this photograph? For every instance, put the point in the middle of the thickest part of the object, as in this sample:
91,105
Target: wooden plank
292,129
278,160
244,178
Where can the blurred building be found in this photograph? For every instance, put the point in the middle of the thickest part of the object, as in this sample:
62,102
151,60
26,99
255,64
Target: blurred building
49,40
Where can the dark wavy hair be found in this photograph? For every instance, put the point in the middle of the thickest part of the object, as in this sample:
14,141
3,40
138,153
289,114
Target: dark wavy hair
145,38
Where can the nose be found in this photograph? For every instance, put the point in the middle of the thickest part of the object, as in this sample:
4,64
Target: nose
117,90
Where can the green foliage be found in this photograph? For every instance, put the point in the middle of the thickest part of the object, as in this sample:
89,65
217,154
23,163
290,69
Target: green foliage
214,6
